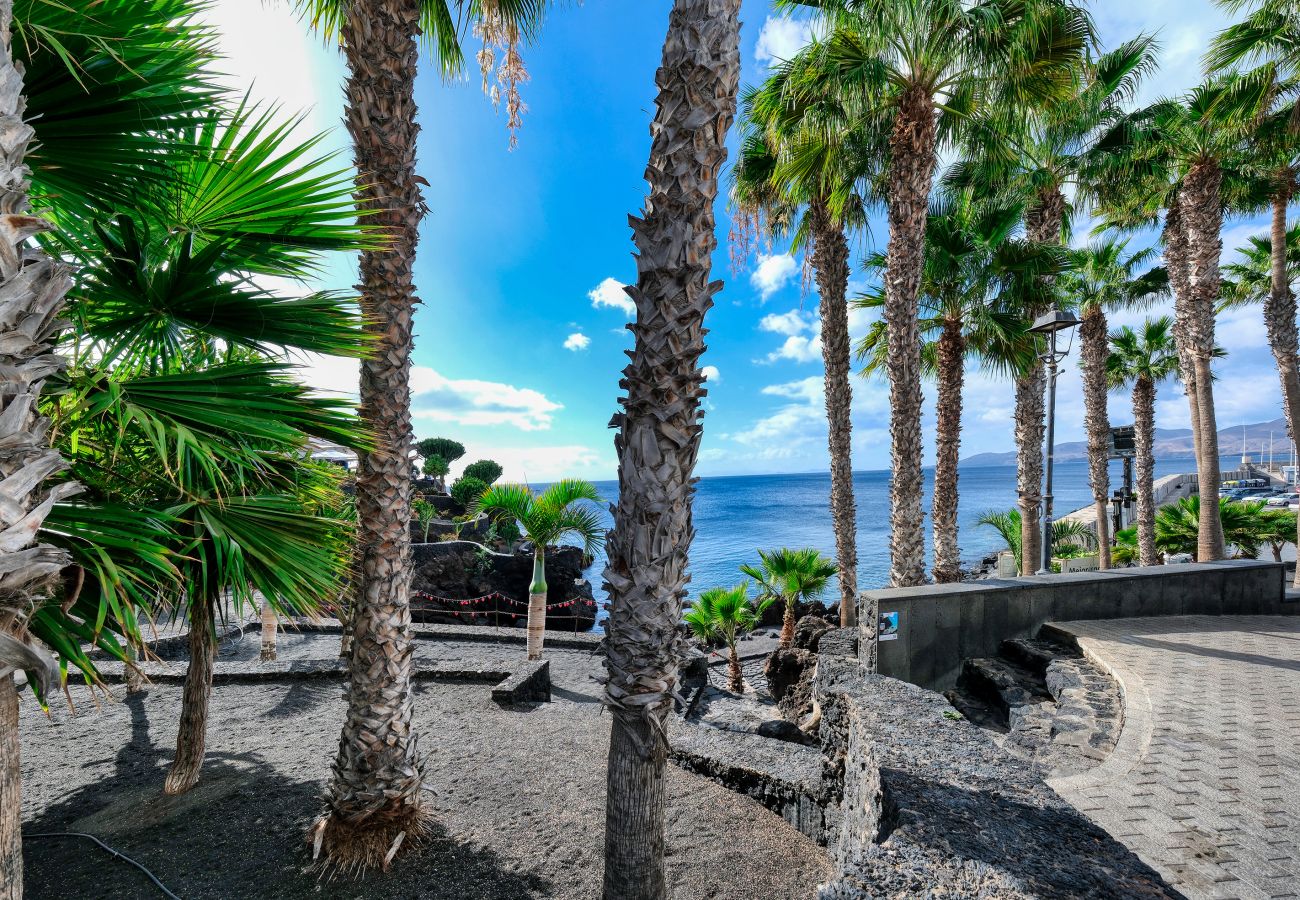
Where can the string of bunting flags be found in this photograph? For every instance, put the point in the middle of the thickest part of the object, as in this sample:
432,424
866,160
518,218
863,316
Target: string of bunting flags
497,595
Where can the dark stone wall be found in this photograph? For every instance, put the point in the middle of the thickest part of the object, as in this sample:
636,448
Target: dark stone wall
941,625
459,570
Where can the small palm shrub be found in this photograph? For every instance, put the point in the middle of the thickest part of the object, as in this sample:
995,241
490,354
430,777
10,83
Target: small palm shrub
1069,538
790,576
724,614
485,470
466,490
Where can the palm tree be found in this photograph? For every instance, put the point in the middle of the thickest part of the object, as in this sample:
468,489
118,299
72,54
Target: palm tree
33,287
1187,147
1103,277
545,519
901,64
1037,154
1142,361
375,800
1268,36
1248,278
659,431
977,279
724,614
1065,532
799,152
791,576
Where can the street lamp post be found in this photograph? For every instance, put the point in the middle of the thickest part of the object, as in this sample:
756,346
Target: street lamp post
1048,325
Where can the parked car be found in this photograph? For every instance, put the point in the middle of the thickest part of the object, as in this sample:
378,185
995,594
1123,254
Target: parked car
1283,499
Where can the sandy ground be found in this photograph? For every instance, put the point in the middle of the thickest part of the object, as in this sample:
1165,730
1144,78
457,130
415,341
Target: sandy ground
519,801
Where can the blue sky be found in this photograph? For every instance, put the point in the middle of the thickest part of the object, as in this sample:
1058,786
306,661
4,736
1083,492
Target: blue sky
520,338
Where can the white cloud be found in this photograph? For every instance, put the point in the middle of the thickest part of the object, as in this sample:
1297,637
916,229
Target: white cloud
610,293
470,401
711,374
799,348
577,341
539,465
781,38
788,323
811,389
773,273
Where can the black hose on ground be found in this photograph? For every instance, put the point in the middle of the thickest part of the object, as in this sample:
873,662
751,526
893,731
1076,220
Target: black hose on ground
116,855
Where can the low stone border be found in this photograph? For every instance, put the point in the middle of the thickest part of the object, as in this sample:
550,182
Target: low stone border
529,683
784,777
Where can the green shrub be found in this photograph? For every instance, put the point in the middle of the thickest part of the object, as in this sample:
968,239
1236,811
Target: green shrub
436,466
466,489
484,470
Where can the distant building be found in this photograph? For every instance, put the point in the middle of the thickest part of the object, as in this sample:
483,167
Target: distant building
336,454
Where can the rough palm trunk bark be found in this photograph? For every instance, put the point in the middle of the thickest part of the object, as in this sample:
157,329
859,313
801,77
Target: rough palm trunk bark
830,258
270,633
374,803
787,626
537,604
659,431
1202,214
1094,347
1280,316
1175,240
1144,429
911,167
11,805
947,441
32,287
1043,224
191,738
735,676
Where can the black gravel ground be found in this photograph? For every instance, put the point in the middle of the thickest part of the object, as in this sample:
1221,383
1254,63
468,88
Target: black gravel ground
519,801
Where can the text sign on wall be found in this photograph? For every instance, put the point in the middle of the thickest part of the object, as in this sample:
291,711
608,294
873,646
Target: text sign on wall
887,630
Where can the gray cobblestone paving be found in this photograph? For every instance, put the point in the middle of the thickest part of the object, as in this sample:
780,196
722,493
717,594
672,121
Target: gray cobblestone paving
1204,783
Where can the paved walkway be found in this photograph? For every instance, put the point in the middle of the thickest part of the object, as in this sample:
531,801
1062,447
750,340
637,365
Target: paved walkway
1204,783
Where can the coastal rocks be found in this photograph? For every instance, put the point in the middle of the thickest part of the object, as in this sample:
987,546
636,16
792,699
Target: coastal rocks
449,573
789,675
808,632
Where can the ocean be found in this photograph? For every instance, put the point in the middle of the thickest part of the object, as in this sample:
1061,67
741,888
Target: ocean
735,516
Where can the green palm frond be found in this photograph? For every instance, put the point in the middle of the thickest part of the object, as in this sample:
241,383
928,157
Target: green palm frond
108,85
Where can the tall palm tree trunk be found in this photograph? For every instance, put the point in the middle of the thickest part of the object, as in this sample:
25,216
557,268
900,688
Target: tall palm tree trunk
911,167
830,259
1043,224
32,287
11,802
659,431
537,603
1144,432
1280,319
947,439
1175,240
1031,427
374,804
787,625
1203,218
1093,350
191,738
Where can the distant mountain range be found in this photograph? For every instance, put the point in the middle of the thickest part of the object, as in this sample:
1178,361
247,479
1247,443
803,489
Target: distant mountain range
1173,442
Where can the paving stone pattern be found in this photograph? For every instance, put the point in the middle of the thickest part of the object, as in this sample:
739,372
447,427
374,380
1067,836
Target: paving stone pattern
1204,782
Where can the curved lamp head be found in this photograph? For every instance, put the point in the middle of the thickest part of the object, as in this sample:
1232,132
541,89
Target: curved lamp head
1053,321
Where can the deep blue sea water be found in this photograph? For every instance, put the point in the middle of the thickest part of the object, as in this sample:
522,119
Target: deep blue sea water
736,516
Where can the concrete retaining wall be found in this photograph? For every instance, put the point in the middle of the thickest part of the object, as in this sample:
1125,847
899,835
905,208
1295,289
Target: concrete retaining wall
939,626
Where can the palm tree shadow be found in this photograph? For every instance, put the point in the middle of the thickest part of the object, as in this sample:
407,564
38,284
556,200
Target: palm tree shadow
239,833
